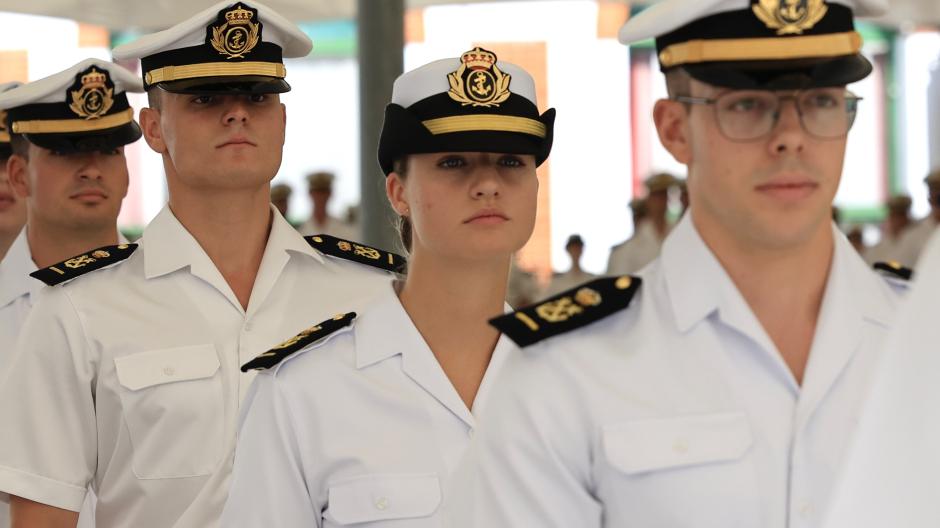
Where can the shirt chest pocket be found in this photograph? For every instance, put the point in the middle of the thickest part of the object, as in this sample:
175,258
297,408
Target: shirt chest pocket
653,444
172,400
384,500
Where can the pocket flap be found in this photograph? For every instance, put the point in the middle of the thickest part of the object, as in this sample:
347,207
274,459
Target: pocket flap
650,444
384,497
154,367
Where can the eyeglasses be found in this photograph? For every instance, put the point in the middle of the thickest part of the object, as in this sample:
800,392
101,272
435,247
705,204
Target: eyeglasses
749,115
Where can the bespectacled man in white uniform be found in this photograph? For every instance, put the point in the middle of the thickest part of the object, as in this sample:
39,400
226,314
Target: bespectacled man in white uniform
726,393
126,372
71,174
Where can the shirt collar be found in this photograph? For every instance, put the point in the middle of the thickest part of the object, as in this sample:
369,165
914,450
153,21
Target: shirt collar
169,246
14,272
697,283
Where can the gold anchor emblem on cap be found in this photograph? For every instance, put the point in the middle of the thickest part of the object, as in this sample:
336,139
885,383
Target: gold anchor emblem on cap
790,17
237,36
93,99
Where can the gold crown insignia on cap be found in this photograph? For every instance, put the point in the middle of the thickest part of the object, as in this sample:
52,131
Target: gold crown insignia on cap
790,17
93,99
95,79
478,82
239,17
238,35
478,59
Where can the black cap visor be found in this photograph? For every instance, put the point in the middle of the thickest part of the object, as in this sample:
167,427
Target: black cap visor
234,85
793,74
91,141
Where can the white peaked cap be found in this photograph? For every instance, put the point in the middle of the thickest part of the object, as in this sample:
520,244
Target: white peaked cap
54,89
669,15
431,79
6,87
192,32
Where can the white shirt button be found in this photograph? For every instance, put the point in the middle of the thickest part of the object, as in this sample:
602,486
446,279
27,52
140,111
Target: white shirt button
470,433
248,325
381,504
680,446
806,508
169,371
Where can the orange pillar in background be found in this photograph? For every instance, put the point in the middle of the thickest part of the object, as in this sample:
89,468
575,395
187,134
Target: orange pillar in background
536,256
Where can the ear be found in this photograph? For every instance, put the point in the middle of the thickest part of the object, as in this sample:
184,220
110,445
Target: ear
152,128
395,187
18,171
672,124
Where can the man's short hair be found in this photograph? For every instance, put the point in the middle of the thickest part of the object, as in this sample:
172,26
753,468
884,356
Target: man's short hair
20,146
155,99
678,83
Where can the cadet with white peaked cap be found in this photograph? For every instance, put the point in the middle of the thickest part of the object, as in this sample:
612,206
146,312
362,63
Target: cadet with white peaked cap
126,375
361,420
726,393
5,149
230,47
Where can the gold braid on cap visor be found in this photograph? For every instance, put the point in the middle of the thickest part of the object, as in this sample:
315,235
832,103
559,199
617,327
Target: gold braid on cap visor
57,126
495,123
809,46
215,69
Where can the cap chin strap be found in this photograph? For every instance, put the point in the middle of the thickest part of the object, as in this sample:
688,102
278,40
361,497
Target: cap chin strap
214,69
720,50
497,123
58,126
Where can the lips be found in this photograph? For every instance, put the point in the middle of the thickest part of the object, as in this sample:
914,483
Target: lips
6,201
487,216
90,196
788,188
237,142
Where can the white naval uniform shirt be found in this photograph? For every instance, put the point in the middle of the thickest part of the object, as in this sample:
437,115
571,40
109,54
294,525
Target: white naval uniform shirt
678,411
892,477
18,292
128,377
361,429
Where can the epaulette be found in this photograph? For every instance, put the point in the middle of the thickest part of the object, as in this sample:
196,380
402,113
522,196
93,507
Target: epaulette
894,270
82,264
356,252
567,311
300,341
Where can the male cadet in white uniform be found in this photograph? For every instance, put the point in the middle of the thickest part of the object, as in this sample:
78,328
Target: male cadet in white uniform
726,394
126,372
71,173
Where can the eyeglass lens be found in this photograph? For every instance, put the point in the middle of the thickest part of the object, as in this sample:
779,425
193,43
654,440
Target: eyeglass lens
751,114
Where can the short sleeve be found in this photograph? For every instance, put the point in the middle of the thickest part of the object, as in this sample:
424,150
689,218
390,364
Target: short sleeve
268,484
48,440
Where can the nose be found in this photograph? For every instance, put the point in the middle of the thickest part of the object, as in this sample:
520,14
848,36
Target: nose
488,184
236,111
788,136
91,166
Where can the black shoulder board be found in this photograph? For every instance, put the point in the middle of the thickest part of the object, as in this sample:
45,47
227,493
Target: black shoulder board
82,264
346,249
592,301
894,269
277,354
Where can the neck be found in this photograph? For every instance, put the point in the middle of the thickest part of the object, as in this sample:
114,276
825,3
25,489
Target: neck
783,286
575,266
319,215
6,240
659,224
450,303
231,226
49,244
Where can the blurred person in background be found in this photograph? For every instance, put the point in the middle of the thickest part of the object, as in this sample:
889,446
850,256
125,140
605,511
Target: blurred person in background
916,235
70,183
683,185
575,275
647,240
854,236
320,188
280,198
523,288
892,233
